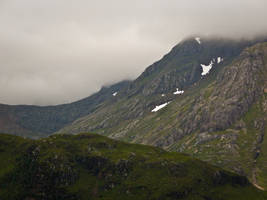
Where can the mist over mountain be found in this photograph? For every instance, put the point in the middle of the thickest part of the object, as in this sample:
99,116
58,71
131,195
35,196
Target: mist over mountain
153,100
58,52
206,95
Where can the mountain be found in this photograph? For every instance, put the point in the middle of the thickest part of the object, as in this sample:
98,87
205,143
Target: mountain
179,68
41,121
220,118
208,97
88,166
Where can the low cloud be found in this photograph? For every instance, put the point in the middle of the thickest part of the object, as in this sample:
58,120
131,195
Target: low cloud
55,52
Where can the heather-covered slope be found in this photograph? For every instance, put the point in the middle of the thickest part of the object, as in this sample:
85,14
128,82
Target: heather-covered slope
88,166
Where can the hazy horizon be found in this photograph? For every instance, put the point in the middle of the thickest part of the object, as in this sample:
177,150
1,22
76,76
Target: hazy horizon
59,52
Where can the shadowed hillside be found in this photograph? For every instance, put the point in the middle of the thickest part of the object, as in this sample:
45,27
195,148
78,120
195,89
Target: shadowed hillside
88,166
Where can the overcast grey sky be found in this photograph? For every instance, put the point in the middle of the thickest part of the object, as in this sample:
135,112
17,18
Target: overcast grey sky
58,51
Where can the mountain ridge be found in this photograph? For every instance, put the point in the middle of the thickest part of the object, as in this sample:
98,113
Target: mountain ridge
44,120
40,121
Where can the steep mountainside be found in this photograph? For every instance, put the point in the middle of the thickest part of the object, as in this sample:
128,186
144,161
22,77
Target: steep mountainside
220,117
88,166
178,69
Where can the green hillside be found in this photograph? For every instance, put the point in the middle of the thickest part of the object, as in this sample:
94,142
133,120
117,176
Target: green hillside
88,166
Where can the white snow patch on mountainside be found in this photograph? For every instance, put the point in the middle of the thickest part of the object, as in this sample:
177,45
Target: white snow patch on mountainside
115,94
178,91
157,108
198,40
206,68
219,60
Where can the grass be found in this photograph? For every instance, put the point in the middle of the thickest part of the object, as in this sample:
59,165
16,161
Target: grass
92,166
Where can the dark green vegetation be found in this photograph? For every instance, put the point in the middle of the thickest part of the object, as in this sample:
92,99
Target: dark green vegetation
221,118
88,166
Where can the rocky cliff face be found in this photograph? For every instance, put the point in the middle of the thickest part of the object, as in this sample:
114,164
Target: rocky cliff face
181,67
231,95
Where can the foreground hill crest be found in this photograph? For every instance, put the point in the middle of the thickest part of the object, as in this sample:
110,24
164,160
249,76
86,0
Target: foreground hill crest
91,166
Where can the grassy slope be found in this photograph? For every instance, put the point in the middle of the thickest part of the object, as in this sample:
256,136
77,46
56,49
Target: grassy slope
89,166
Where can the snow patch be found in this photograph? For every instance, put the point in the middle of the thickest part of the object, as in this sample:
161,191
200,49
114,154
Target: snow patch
219,60
206,68
198,40
115,94
178,91
157,108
